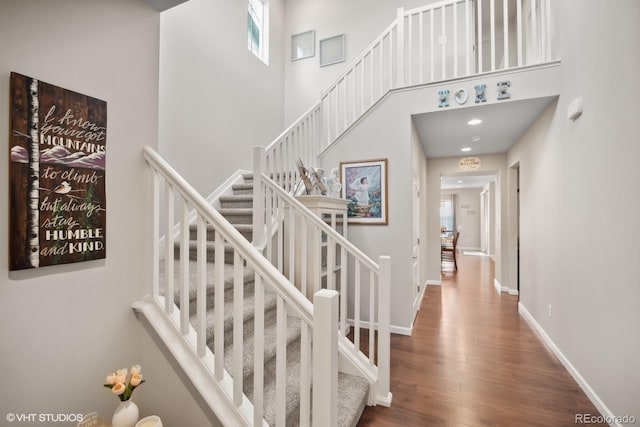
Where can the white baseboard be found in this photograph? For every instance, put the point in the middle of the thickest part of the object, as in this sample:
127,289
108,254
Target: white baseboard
500,288
434,282
582,383
469,248
400,330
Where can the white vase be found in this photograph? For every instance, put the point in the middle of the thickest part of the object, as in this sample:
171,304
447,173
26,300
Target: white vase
125,415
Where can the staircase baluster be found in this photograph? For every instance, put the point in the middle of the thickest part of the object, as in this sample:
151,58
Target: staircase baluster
356,310
169,249
184,269
534,29
443,50
401,53
155,250
218,308
455,39
421,47
303,256
305,376
331,263
492,12
432,42
238,310
479,40
519,30
281,363
372,318
201,292
344,289
258,352
505,32
409,50
467,29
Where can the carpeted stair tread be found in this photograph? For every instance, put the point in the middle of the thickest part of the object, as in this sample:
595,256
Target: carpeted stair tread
245,188
248,276
248,280
293,387
270,340
237,215
245,229
248,311
352,398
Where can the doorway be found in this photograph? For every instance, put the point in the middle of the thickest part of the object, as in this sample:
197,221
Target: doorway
515,254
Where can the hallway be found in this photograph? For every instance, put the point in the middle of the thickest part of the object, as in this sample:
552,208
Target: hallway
473,361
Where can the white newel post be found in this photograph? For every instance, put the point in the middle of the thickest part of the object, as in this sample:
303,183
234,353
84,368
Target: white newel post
384,395
325,358
258,197
400,37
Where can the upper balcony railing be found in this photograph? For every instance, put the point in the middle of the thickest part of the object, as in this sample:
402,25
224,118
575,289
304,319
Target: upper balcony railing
437,42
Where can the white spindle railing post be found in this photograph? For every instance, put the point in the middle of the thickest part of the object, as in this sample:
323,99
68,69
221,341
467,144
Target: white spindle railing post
155,251
169,250
325,358
384,339
258,197
400,62
505,32
519,30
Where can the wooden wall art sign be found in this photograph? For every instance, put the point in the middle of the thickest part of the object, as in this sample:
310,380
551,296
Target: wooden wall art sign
57,143
469,163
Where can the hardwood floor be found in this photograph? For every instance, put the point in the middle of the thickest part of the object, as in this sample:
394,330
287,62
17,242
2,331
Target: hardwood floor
473,361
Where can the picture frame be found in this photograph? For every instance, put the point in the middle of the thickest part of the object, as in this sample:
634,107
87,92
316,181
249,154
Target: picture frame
364,185
332,50
303,45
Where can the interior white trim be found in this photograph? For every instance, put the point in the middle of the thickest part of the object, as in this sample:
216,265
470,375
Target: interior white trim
434,282
497,285
582,383
400,330
500,288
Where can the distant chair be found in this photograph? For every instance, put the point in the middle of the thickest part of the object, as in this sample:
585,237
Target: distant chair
448,251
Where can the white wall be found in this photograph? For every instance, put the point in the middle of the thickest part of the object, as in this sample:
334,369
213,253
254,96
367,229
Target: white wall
64,327
580,202
467,218
360,20
217,100
386,126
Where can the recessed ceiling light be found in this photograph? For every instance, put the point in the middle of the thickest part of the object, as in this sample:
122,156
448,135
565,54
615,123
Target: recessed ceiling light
459,181
465,149
474,122
476,138
458,186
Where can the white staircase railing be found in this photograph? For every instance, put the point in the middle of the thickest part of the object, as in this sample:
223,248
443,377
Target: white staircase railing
290,228
299,141
440,41
212,229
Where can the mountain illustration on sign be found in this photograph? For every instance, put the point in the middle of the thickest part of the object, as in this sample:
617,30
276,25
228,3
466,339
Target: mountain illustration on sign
61,156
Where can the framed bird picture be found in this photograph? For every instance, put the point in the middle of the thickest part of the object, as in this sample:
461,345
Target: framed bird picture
57,143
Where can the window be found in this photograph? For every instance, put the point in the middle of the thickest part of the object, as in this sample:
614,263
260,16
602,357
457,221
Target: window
258,28
447,214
